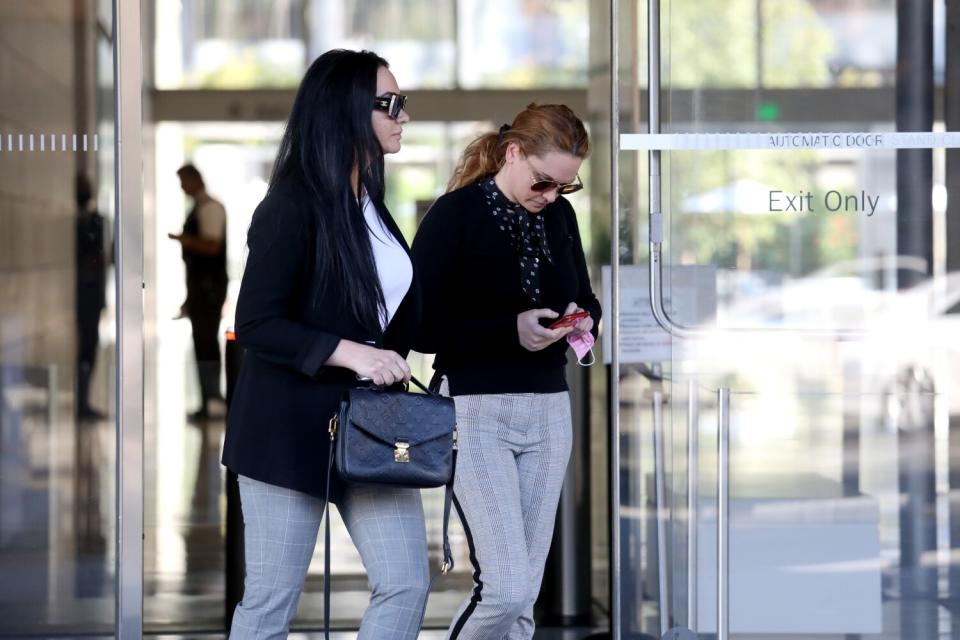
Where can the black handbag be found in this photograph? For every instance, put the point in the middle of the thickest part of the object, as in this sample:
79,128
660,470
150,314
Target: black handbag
392,437
395,437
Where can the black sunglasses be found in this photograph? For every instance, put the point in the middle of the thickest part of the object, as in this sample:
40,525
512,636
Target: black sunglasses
390,102
562,188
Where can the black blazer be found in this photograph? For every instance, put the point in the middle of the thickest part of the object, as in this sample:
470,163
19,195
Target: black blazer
284,394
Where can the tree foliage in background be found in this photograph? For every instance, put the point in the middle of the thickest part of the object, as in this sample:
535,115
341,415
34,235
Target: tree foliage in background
713,44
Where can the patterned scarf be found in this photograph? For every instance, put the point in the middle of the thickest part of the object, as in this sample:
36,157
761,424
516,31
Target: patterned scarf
526,232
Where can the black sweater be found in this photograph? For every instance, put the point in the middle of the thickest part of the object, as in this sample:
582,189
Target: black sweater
469,276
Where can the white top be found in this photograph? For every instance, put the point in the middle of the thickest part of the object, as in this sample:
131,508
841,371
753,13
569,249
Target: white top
211,218
393,264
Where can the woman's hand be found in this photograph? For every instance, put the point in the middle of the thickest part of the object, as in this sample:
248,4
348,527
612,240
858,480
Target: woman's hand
533,336
379,365
583,326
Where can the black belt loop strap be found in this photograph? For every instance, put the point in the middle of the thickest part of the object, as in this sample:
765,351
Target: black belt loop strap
435,383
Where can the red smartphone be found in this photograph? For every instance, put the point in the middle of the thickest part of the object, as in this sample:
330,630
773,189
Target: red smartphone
570,319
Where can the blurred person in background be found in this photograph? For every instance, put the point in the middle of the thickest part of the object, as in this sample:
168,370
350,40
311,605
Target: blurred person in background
204,249
91,293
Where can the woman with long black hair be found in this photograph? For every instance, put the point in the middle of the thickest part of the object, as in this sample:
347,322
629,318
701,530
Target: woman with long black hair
328,297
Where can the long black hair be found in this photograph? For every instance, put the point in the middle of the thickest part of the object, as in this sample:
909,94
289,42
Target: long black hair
328,134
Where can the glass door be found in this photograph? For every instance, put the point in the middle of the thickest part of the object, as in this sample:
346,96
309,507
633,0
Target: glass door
58,403
787,376
70,328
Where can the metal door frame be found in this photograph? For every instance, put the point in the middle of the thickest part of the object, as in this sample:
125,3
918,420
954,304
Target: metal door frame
128,149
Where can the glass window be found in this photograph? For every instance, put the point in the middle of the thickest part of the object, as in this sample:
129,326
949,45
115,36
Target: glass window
784,43
471,44
715,44
798,239
230,44
522,43
415,36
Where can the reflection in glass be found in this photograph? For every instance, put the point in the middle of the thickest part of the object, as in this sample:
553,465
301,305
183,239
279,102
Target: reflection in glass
842,378
790,233
57,337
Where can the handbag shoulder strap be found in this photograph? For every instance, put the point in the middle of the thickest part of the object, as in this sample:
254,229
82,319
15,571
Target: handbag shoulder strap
445,568
326,542
429,392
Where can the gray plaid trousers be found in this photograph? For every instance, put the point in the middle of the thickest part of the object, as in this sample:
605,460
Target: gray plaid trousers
281,525
513,457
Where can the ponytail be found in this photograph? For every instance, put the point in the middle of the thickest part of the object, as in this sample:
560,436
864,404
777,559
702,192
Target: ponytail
482,157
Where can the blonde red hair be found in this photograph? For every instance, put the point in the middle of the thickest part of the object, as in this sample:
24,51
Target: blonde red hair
537,130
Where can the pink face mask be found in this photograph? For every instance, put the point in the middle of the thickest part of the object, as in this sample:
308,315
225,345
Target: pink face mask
582,345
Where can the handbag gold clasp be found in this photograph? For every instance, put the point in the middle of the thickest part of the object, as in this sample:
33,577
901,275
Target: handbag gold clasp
402,451
332,426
